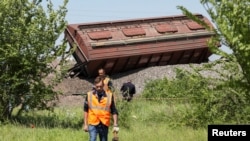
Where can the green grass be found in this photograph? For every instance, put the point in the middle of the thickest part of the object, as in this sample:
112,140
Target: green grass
24,133
159,132
144,120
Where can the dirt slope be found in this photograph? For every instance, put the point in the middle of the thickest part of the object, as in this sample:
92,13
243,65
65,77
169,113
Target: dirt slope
139,77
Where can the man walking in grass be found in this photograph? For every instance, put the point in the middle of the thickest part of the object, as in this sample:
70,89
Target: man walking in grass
99,105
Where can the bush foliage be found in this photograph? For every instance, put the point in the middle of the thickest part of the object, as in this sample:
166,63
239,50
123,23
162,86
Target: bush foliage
211,100
29,32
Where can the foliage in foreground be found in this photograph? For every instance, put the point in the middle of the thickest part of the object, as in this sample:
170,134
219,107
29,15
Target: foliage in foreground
27,48
192,100
231,19
211,99
144,120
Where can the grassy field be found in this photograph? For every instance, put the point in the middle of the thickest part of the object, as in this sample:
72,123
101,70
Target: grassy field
139,120
139,131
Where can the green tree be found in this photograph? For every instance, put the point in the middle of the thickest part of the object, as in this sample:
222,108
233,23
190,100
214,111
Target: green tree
232,21
28,35
227,101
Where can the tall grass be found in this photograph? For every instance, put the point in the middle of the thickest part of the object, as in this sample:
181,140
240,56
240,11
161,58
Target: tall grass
138,120
177,110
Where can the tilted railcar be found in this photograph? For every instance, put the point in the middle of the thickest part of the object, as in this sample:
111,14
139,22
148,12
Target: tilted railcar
119,46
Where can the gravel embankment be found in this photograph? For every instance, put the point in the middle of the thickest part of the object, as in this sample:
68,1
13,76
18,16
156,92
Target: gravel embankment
139,77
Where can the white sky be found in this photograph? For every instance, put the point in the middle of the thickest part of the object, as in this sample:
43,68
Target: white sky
82,11
85,11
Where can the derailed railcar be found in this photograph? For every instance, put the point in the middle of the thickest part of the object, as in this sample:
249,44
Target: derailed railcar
119,46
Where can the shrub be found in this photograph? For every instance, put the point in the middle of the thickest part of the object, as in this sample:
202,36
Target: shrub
212,100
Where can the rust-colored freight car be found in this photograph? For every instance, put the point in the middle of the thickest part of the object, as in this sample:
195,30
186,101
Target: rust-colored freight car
119,46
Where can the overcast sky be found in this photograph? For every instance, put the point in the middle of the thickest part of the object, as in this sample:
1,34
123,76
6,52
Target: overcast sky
80,11
85,11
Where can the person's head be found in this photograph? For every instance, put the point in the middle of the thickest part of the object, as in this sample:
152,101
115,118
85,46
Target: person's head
101,72
98,82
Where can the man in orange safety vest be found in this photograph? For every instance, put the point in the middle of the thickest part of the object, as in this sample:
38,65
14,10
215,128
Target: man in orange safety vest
99,105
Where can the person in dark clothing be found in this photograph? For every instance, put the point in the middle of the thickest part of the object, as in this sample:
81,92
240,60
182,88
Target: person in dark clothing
128,90
98,107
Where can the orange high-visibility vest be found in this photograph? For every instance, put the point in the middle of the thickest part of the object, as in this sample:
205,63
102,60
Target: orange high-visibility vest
99,111
105,82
